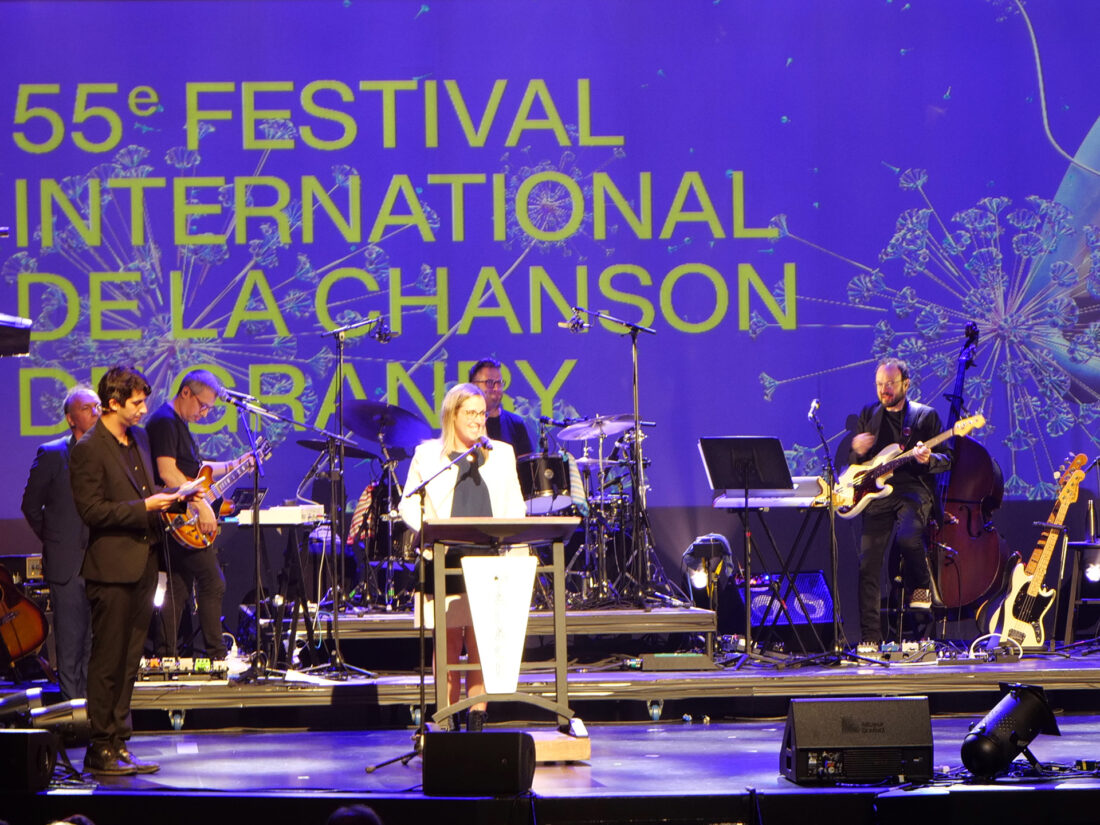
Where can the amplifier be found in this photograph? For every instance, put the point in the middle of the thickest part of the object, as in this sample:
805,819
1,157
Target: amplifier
23,568
857,741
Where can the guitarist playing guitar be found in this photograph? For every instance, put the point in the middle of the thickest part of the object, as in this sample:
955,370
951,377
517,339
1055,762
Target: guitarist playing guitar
895,420
176,459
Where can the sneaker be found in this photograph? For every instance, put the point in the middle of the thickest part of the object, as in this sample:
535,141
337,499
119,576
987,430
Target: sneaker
139,765
475,721
101,760
920,599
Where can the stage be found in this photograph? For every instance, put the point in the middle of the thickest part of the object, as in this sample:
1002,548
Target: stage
666,744
678,771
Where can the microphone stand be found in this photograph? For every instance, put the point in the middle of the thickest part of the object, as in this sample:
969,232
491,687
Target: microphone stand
253,407
420,491
641,544
336,495
838,654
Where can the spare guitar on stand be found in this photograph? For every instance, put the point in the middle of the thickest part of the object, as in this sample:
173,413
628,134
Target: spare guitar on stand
1019,617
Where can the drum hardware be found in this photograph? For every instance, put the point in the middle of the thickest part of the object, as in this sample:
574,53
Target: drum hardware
648,578
598,427
350,451
398,432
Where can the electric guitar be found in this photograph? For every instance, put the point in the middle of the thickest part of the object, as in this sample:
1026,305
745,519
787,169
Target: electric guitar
1020,615
23,626
860,484
185,526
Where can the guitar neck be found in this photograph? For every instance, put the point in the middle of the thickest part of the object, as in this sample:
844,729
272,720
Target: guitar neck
1044,549
219,487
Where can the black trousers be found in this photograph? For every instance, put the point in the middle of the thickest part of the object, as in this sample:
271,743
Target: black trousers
120,624
903,515
188,567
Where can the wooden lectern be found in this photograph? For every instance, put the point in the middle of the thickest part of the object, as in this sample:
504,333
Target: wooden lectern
484,537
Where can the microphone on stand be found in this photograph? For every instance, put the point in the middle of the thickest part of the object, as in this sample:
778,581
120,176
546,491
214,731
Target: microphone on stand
815,405
575,322
226,394
484,442
382,332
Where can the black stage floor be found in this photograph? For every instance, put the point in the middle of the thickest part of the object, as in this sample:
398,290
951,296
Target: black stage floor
643,773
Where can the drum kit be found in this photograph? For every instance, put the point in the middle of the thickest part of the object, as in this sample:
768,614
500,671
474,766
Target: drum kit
596,485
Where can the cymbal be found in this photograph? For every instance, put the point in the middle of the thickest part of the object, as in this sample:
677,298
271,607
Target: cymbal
397,429
596,427
349,450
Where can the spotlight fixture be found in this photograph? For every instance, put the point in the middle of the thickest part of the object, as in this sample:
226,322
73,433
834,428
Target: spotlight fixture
1007,730
64,717
704,562
21,703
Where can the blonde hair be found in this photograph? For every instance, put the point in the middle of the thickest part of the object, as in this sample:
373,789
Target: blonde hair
454,399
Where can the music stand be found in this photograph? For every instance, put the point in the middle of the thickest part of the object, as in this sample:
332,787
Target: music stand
746,463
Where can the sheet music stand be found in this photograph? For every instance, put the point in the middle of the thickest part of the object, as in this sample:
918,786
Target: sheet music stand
487,535
751,464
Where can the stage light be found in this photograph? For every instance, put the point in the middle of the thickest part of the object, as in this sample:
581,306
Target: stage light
16,704
65,717
1007,730
704,562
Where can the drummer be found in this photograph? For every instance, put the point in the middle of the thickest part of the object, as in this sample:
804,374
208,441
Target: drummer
485,486
500,424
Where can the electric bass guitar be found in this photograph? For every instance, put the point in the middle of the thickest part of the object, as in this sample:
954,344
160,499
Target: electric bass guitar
1019,617
185,526
860,484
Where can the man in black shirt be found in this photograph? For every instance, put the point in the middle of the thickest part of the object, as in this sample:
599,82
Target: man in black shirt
500,425
904,513
176,459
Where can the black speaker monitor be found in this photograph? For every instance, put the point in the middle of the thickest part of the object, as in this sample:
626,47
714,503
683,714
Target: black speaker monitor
490,763
864,741
27,759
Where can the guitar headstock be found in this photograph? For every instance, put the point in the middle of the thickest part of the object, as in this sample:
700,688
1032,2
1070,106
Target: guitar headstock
965,425
1070,476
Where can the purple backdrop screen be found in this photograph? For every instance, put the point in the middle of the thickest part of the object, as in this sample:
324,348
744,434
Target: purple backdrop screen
784,192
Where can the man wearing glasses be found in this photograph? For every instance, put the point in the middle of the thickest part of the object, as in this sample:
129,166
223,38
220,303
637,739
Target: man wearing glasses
500,425
176,460
51,512
904,514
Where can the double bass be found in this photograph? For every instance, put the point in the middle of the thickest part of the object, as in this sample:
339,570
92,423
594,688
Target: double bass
970,555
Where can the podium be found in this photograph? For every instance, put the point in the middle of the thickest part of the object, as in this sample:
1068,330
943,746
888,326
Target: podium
483,538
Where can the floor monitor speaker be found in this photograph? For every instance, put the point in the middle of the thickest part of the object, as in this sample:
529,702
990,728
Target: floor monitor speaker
27,759
490,763
857,741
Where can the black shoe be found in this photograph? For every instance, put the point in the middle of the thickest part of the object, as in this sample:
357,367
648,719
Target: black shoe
475,721
101,760
138,765
449,724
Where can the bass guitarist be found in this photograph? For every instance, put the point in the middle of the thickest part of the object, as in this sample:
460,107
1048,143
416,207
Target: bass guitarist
176,458
904,514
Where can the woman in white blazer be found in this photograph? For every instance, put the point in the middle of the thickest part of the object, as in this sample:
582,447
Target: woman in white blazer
484,485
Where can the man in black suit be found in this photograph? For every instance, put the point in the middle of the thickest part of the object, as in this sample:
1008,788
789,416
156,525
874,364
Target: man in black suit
112,481
904,513
49,509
